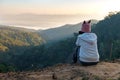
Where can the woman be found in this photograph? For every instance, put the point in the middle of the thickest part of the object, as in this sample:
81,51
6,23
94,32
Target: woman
88,54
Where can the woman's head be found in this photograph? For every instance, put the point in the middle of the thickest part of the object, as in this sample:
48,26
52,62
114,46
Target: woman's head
86,26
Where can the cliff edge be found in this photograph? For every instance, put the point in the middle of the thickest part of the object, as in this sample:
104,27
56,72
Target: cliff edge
101,71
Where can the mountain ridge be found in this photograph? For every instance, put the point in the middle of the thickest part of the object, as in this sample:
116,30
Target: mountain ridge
62,32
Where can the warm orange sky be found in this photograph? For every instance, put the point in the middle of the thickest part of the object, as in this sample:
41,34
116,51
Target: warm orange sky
24,12
86,7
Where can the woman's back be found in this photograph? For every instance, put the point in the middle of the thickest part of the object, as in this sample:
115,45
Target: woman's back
87,41
88,50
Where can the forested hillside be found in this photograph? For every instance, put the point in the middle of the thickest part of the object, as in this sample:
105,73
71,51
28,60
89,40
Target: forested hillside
43,56
14,41
108,32
11,38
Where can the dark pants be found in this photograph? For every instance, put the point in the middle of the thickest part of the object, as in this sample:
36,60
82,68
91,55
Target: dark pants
88,63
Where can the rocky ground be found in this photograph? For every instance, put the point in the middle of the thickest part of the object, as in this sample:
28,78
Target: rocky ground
102,71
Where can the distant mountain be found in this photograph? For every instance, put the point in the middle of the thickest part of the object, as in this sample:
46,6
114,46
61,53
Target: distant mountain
60,33
18,28
11,37
63,32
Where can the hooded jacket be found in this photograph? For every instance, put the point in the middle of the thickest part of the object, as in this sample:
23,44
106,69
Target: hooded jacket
88,47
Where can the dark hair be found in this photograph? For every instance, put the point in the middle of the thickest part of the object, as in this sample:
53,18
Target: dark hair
81,32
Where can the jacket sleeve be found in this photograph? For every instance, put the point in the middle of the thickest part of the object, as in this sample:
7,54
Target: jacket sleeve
78,42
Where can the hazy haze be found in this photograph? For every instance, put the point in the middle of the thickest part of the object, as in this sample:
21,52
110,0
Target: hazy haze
45,14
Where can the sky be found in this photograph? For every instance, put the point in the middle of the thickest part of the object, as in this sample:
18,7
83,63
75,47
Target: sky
86,9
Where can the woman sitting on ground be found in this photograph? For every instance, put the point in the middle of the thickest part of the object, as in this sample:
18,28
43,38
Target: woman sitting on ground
88,54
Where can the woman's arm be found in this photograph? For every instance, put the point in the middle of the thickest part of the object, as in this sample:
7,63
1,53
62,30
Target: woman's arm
78,42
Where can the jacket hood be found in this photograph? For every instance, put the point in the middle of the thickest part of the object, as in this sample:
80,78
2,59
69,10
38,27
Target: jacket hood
91,38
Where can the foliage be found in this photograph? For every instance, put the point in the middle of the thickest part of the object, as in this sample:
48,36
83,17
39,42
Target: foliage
13,42
108,34
6,68
10,37
42,56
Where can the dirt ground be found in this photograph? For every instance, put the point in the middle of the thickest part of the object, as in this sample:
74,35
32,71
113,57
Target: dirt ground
101,71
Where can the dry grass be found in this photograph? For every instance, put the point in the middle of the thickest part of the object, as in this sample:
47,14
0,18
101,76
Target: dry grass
102,71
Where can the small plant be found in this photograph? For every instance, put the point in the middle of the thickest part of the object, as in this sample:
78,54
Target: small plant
119,78
97,78
85,78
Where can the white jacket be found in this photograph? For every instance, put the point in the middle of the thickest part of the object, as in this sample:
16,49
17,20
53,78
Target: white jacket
88,47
